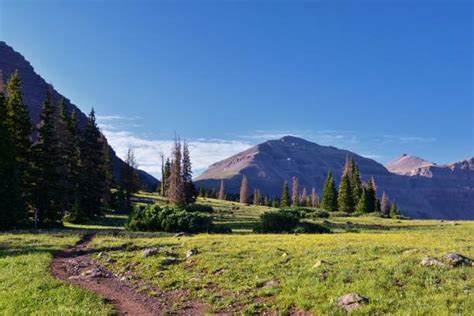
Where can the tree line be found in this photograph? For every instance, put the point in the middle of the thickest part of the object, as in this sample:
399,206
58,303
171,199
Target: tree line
352,196
54,171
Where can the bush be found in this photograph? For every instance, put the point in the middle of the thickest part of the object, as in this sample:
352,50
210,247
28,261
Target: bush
285,221
306,212
203,208
168,219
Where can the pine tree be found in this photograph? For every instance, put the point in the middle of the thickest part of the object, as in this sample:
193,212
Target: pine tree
92,173
188,185
356,183
295,192
109,174
202,192
385,207
256,197
221,195
285,196
244,190
48,193
166,177
345,199
363,204
378,207
130,182
20,128
275,203
329,201
371,195
314,198
176,185
304,198
12,208
394,212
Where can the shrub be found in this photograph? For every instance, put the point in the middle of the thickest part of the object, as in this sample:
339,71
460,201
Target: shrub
169,219
285,221
203,208
306,212
277,222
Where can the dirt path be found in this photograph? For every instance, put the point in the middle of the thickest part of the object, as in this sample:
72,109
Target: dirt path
75,265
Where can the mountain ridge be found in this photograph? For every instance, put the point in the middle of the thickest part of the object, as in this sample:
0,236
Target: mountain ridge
34,91
270,163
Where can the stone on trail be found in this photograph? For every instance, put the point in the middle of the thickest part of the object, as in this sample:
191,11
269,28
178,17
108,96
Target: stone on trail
150,252
456,260
191,252
352,301
430,261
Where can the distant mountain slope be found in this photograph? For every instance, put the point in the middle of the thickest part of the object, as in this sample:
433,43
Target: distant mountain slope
34,91
268,164
407,165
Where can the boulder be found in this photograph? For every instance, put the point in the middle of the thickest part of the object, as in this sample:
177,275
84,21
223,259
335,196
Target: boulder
456,260
430,261
352,301
191,252
150,251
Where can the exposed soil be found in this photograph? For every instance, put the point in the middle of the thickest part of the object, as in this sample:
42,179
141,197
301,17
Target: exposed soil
75,265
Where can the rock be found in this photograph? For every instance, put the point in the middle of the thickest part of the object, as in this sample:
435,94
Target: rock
456,260
319,263
170,260
352,301
150,251
182,234
191,252
430,261
271,284
284,255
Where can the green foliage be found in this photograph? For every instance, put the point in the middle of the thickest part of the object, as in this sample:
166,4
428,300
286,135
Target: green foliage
12,209
363,204
329,201
371,196
394,212
287,221
306,212
345,199
198,207
285,196
168,219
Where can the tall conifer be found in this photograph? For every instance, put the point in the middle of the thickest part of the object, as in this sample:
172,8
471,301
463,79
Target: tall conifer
295,192
329,200
244,190
188,185
285,196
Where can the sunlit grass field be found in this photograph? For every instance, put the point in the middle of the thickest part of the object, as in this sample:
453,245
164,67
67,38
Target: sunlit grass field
28,288
253,273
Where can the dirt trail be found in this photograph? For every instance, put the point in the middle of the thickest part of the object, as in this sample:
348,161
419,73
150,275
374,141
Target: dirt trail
75,265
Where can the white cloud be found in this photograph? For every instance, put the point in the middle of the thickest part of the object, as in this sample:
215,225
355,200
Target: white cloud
407,139
102,118
147,151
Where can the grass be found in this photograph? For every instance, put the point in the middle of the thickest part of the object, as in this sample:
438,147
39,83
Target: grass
375,257
26,285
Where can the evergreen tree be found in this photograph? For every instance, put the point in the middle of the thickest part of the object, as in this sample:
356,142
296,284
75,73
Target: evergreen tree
314,198
109,174
356,183
363,204
275,203
304,198
202,192
371,195
188,185
12,208
176,185
385,207
130,182
266,201
244,190
378,207
394,212
329,201
295,192
20,128
221,191
166,177
49,191
92,172
285,196
256,197
345,199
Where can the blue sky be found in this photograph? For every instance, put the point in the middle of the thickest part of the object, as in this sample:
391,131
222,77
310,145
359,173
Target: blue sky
381,78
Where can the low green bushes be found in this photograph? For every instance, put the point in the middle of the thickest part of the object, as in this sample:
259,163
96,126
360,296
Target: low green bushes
168,219
306,212
203,208
285,221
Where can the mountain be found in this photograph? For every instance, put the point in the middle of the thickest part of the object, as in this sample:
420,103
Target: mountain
408,165
34,91
268,164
